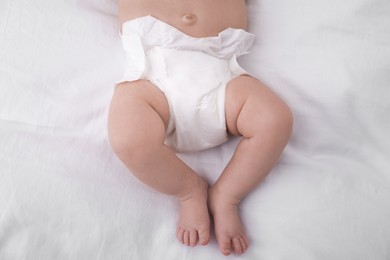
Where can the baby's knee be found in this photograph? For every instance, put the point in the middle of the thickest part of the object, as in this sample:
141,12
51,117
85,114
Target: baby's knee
276,120
283,115
122,146
136,150
134,142
281,120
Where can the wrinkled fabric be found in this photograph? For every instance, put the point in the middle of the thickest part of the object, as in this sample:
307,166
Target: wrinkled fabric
65,195
143,33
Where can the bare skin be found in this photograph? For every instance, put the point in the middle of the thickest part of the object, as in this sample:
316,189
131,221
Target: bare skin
139,109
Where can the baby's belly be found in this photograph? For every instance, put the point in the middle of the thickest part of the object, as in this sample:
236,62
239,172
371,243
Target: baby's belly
199,18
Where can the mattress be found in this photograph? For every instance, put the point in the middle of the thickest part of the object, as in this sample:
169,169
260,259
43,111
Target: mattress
65,195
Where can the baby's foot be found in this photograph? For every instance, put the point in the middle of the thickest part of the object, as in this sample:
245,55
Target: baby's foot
194,219
229,231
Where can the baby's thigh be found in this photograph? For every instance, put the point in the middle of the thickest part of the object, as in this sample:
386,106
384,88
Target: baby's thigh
249,104
138,111
138,97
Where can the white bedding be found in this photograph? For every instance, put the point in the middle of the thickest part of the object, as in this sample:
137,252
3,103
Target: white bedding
64,195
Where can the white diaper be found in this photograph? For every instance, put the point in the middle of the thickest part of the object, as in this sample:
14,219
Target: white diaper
191,72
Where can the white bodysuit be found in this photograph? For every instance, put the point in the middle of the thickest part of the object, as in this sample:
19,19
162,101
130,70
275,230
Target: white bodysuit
191,72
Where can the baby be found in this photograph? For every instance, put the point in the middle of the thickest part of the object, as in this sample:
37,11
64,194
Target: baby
183,90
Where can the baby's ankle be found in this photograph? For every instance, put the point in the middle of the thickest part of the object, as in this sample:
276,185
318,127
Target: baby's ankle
198,187
218,198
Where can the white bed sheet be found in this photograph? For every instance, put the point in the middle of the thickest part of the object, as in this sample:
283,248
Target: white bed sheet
64,195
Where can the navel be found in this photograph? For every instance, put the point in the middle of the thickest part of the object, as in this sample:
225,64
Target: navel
189,19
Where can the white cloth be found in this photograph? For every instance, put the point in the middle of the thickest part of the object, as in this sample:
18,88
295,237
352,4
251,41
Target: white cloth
65,195
191,72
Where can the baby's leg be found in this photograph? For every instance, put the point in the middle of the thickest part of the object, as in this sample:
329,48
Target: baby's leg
265,122
137,120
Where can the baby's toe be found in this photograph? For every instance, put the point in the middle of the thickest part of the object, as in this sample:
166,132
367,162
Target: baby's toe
244,243
193,237
186,237
225,245
204,236
237,246
180,234
240,244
